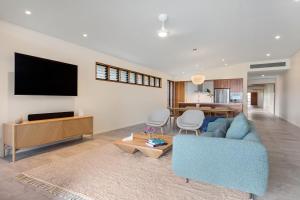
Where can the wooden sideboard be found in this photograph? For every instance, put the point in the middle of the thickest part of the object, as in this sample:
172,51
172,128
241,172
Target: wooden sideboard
35,133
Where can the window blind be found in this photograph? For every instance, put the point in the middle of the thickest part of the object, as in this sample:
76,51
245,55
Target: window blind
113,74
123,76
132,78
157,82
101,72
152,81
139,79
146,80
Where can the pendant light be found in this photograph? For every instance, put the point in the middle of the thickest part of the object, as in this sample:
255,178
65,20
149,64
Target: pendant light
198,79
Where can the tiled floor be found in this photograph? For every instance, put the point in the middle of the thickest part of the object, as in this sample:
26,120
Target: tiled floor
281,138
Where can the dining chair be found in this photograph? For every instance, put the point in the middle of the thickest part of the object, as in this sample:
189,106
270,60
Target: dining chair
190,120
159,118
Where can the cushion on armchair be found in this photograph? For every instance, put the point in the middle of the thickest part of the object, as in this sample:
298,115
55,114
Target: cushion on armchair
238,128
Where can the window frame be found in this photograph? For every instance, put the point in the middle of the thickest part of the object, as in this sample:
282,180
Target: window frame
128,76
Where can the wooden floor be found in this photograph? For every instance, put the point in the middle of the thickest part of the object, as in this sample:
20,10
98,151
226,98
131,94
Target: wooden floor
281,138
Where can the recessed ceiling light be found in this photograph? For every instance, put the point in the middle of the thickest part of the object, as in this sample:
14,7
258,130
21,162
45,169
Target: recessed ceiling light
297,0
85,35
262,75
268,54
27,12
223,60
182,72
277,37
226,64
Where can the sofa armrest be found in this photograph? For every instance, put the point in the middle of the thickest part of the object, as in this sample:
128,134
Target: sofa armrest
235,164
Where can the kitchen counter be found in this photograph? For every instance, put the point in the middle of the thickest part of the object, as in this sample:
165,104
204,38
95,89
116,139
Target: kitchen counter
237,107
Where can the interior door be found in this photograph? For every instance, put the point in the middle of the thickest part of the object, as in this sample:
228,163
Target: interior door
254,98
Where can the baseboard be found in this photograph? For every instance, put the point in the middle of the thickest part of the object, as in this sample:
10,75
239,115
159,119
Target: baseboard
290,122
110,130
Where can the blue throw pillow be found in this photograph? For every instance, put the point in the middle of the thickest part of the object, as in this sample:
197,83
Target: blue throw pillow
239,127
221,130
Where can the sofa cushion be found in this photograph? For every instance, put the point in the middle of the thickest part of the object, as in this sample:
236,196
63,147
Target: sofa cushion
221,130
238,128
252,135
206,122
207,134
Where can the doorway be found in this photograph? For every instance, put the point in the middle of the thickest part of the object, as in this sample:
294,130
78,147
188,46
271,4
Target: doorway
261,97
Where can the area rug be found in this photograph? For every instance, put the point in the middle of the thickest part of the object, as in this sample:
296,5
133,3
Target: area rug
107,173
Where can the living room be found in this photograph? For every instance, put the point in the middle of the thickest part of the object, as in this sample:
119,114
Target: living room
162,49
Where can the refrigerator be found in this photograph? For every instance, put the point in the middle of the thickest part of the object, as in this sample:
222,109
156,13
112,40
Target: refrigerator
222,95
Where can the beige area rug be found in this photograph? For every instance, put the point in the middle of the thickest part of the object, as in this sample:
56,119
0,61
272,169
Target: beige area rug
108,173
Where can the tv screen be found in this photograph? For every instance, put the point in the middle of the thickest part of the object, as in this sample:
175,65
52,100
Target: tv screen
39,76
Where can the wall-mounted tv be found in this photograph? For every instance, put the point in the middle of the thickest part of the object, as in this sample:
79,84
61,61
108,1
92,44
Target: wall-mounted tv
39,76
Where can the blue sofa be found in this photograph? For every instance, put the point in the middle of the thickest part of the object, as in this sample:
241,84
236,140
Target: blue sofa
238,160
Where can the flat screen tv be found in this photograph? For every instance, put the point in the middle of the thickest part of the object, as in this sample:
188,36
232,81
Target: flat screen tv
39,76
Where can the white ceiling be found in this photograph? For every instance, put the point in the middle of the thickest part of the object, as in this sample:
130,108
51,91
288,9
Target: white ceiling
237,30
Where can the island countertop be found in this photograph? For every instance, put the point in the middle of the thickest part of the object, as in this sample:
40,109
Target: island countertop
237,107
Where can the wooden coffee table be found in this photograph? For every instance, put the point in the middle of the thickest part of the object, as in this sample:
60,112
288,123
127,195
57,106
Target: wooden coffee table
139,144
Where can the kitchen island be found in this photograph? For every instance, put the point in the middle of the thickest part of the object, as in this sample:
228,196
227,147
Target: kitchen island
236,107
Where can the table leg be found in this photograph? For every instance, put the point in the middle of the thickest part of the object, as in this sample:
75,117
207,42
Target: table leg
13,154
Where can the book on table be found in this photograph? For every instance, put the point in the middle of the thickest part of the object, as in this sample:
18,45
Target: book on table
155,142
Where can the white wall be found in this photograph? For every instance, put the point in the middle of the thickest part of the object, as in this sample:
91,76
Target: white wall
261,81
269,98
260,98
288,92
197,97
114,105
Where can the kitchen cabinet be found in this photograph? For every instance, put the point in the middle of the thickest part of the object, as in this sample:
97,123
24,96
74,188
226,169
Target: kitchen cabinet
235,85
222,84
179,92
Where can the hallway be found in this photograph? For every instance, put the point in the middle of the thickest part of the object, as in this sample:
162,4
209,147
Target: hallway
282,140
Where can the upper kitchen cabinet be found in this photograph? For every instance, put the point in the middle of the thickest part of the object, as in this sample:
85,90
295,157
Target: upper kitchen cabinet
236,85
222,84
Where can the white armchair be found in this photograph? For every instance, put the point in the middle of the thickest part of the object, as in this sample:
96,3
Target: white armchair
159,118
190,120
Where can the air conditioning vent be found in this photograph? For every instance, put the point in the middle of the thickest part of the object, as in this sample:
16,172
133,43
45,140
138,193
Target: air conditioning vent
268,65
